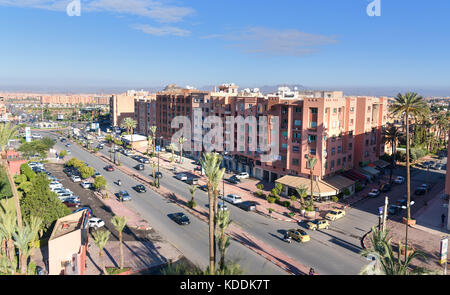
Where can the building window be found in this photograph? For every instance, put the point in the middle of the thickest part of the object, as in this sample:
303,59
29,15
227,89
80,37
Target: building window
313,110
366,153
349,158
350,134
284,134
295,162
339,149
338,162
297,135
295,149
297,122
334,111
298,109
352,109
284,146
312,151
332,163
313,124
350,145
333,151
311,138
367,142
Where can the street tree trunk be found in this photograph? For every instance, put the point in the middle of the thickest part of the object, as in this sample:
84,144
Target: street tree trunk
121,250
408,177
211,231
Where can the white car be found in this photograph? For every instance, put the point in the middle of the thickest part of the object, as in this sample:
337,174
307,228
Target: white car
399,180
181,176
55,184
233,199
374,193
85,184
65,195
75,178
242,175
96,222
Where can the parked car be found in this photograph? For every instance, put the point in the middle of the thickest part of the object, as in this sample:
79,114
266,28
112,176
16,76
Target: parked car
399,180
203,188
222,206
75,178
140,188
385,187
232,198
394,209
100,146
144,160
96,174
139,167
181,176
192,180
247,205
55,184
335,214
71,202
124,196
109,168
373,193
85,184
96,222
233,180
181,218
68,145
299,235
242,175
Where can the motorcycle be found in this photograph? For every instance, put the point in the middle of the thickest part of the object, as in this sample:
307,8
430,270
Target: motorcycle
287,239
119,183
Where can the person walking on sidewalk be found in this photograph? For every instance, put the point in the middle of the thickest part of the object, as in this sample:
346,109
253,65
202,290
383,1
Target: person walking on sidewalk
311,271
442,219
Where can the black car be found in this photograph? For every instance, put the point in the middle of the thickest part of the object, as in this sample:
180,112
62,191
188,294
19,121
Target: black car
247,206
139,167
233,180
385,187
140,188
420,191
192,180
157,174
203,188
181,218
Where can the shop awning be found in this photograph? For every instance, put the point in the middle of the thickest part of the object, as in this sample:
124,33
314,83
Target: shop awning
320,189
370,170
381,163
339,182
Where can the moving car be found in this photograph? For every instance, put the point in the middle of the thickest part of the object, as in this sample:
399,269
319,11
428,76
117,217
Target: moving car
124,196
100,146
127,152
420,191
233,199
373,193
222,206
192,180
385,187
109,168
318,224
335,214
139,167
242,175
140,188
144,160
75,178
394,209
399,180
247,205
96,222
181,176
203,188
181,218
68,145
299,235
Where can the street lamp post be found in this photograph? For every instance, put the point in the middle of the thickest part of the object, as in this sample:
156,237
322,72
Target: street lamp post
159,150
407,225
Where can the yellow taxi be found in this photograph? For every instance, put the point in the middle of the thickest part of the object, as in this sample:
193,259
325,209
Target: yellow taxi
299,235
335,214
318,224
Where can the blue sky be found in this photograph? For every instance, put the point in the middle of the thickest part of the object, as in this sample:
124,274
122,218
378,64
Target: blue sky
150,43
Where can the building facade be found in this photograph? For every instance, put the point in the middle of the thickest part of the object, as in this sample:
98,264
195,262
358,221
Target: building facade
145,115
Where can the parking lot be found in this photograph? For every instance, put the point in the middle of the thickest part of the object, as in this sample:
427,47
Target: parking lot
98,209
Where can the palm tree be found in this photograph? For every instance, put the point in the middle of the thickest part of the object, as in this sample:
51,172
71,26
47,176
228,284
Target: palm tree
181,141
119,223
223,221
211,164
149,141
35,226
153,131
311,163
302,193
101,237
22,238
391,136
6,133
8,226
192,190
410,104
154,165
130,125
172,149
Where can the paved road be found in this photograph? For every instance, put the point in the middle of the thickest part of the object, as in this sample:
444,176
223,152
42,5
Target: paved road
191,240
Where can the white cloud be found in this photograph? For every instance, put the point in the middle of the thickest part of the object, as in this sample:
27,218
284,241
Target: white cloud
275,42
156,10
162,31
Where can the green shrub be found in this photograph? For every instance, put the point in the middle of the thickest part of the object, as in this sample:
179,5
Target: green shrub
310,208
116,270
271,200
346,191
334,199
270,210
358,187
191,204
293,198
291,214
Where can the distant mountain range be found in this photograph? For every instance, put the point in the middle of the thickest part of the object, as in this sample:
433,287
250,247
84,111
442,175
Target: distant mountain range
367,91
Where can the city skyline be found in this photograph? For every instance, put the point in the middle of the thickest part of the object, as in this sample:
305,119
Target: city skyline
149,44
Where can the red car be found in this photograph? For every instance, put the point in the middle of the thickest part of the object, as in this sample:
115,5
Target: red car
109,168
72,203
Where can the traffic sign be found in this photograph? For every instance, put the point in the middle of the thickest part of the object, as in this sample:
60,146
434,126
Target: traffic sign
444,248
380,210
157,148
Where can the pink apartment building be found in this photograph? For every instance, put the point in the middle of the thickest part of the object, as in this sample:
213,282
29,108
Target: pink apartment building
145,115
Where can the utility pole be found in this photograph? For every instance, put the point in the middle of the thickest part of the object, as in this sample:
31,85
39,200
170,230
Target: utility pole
386,201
